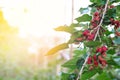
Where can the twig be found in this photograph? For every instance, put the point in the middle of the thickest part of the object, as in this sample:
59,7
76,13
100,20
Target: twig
99,37
79,75
105,9
79,45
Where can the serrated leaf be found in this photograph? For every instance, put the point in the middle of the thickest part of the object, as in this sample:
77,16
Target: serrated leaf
92,43
79,63
107,40
78,53
71,64
65,29
104,76
84,18
57,48
88,74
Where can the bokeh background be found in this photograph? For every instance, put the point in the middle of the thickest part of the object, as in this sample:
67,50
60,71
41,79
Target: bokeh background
27,33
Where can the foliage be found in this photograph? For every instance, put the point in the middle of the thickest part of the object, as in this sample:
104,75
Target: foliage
57,48
100,36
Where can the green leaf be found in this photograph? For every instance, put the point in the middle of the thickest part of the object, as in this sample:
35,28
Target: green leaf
111,75
84,10
118,30
71,64
92,43
104,76
113,62
107,40
57,48
117,60
111,13
111,51
72,76
118,10
74,36
114,1
84,18
93,9
79,63
65,29
75,25
64,76
107,32
75,62
98,2
117,40
79,53
88,74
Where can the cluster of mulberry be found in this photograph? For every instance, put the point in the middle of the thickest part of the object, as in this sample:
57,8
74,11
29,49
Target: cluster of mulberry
98,60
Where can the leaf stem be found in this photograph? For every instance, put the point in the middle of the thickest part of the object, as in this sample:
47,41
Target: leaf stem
97,33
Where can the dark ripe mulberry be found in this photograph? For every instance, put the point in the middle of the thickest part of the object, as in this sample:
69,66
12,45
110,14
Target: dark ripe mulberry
89,61
91,37
96,63
86,32
99,50
104,48
96,14
104,63
95,57
112,6
104,54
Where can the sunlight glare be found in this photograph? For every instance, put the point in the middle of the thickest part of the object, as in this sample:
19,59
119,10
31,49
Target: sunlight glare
38,20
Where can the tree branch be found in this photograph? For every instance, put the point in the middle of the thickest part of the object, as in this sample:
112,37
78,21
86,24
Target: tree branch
97,33
105,9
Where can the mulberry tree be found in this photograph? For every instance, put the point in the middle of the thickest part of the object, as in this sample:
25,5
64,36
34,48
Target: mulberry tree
99,35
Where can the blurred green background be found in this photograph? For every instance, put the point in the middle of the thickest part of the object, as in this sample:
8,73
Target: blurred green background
24,58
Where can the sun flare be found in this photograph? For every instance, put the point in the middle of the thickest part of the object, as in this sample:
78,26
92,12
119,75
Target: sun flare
33,17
